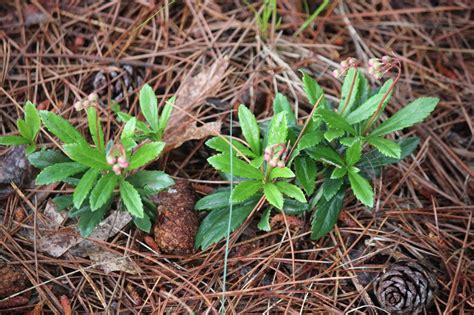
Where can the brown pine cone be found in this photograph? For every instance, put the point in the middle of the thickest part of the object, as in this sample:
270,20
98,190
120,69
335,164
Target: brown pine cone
14,167
406,287
177,223
121,83
12,280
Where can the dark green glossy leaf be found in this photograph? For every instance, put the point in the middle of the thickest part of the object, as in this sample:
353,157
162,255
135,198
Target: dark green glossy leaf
45,158
250,130
58,172
326,214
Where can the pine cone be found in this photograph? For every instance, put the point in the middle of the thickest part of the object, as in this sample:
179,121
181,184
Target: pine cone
121,83
14,167
406,287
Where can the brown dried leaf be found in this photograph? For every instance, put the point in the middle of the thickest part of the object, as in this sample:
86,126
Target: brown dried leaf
194,133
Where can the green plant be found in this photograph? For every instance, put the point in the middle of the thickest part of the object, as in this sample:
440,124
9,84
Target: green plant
342,147
99,172
28,128
266,19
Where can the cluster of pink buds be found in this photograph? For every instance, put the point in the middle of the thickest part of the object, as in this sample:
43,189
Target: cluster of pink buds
87,102
117,158
344,66
379,66
275,155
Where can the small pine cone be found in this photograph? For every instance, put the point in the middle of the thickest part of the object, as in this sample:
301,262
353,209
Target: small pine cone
14,167
129,79
406,287
12,280
177,223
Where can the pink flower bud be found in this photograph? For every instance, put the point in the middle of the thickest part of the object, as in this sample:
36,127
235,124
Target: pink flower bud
93,97
372,61
122,162
266,157
352,62
336,73
273,163
116,169
386,59
111,160
344,64
281,164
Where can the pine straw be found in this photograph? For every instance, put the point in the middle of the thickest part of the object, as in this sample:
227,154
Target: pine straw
423,209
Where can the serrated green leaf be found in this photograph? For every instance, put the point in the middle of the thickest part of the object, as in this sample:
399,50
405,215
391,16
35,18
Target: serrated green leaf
349,91
291,191
131,199
62,202
273,195
86,155
374,159
278,130
221,145
313,91
325,154
326,214
348,141
58,172
218,199
45,158
281,172
281,104
90,219
361,188
245,190
310,139
250,130
411,114
149,106
338,172
264,224
24,129
369,107
166,114
143,224
13,140
353,153
145,154
293,207
84,187
32,119
331,187
332,134
222,162
335,121
124,117
61,128
95,128
103,190
386,147
305,169
152,181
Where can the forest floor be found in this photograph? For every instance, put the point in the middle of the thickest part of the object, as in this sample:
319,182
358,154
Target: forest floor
215,56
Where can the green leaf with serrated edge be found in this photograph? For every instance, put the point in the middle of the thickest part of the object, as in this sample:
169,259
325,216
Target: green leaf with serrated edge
350,88
214,227
74,213
62,202
278,130
145,154
13,140
166,114
363,89
143,224
338,172
326,214
369,107
313,91
361,188
58,172
61,128
222,162
325,154
291,191
374,159
45,158
257,162
281,104
250,130
273,195
218,199
86,155
24,129
124,117
95,128
310,139
353,153
305,169
387,147
348,141
129,129
264,224
103,190
335,121
32,119
149,106
332,134
411,114
30,149
90,219
152,180
221,145
84,187
131,199
294,207
245,190
331,186
281,172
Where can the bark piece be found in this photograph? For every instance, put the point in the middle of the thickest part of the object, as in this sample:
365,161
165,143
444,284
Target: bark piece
14,167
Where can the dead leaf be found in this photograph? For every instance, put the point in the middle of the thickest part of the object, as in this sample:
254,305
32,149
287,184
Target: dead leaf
59,242
110,262
191,94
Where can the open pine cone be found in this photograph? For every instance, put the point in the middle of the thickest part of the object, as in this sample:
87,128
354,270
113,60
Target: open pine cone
121,83
406,287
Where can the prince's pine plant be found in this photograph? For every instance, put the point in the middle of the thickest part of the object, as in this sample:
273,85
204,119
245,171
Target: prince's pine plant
101,171
342,145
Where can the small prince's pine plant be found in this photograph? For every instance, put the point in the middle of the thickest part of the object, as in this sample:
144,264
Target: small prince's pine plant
100,171
340,145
